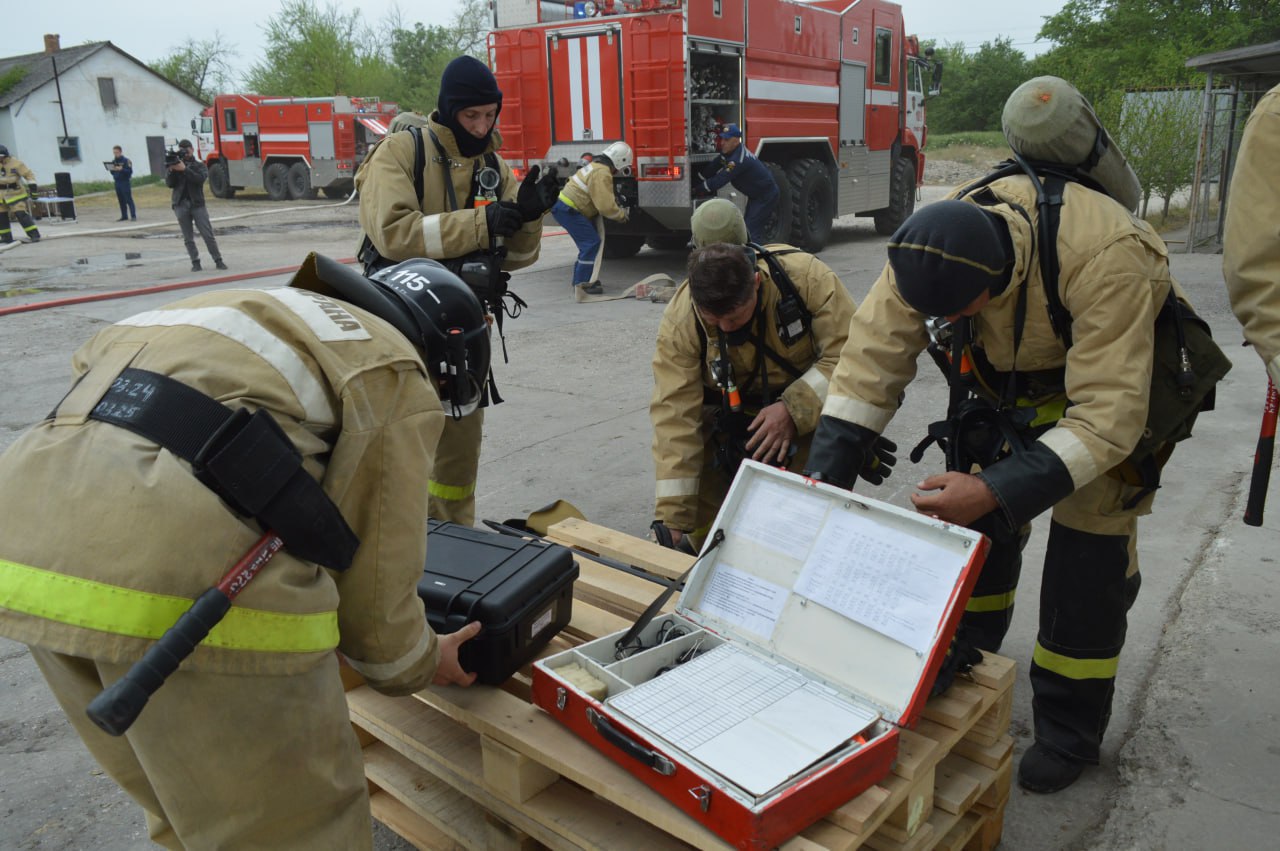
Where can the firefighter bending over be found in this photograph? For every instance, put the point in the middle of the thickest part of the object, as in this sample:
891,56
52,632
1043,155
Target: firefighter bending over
441,191
1059,410
248,744
745,351
749,176
17,188
587,199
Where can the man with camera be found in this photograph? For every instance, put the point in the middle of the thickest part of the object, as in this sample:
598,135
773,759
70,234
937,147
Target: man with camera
185,175
441,191
17,187
745,350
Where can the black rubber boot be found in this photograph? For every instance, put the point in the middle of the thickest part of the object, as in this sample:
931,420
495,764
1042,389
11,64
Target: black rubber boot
218,264
1045,771
195,265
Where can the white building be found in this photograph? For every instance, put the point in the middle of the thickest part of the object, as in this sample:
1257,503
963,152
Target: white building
103,97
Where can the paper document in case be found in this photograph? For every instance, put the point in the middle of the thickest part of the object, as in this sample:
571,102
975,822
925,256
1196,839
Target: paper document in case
750,720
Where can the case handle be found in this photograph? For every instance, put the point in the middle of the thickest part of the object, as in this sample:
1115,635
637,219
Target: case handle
629,746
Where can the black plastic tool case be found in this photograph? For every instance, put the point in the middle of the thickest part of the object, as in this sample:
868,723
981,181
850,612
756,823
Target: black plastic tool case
520,590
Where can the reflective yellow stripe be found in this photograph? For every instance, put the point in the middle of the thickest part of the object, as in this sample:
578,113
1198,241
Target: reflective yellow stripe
565,198
1076,669
452,492
1049,412
142,614
990,602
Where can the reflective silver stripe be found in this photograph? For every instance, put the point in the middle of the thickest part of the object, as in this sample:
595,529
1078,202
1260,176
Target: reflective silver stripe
384,671
815,379
858,412
329,320
667,488
1074,454
432,235
237,326
579,182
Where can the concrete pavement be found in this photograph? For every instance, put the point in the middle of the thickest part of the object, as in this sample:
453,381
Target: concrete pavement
1191,758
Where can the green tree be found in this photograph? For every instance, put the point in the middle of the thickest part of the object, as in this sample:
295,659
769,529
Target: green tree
1105,45
975,86
1157,130
314,52
202,68
419,56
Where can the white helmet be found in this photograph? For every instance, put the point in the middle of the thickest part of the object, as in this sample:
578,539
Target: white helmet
619,153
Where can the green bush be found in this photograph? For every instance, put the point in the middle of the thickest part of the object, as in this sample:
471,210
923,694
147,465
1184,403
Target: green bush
977,138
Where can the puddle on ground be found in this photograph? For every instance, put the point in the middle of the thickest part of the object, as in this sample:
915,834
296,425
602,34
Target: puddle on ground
25,280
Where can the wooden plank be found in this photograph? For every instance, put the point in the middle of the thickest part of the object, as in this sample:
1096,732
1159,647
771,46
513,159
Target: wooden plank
562,815
988,834
503,837
923,838
916,755
512,774
616,592
589,622
999,791
827,835
441,815
955,789
959,706
414,829
628,549
903,822
960,833
994,672
992,756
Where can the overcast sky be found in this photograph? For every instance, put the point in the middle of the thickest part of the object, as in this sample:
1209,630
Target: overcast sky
149,29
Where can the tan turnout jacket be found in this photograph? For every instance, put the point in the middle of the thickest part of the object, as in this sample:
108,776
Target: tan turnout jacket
401,229
1114,278
14,177
108,510
1251,244
682,371
590,192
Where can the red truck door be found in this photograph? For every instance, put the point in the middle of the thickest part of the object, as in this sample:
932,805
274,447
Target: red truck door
586,86
884,116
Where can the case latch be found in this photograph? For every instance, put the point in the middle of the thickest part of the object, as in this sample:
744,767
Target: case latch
703,794
562,698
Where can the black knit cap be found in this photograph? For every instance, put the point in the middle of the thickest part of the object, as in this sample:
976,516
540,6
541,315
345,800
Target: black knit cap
947,254
466,81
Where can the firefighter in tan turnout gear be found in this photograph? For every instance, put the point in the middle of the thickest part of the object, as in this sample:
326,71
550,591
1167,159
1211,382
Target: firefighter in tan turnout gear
115,518
744,354
17,188
1251,242
1054,417
585,201
440,191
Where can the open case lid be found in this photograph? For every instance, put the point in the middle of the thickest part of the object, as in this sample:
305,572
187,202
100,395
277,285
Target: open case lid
857,593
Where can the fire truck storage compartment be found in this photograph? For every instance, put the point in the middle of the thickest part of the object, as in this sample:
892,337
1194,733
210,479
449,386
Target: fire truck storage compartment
715,95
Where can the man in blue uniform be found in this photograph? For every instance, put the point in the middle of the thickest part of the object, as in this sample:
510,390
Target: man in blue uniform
749,176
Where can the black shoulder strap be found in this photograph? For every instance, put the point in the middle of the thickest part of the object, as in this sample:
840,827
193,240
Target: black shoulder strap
786,286
445,160
420,162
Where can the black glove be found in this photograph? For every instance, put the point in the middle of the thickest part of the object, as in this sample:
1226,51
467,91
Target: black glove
529,198
502,218
961,656
31,189
664,538
841,451
549,189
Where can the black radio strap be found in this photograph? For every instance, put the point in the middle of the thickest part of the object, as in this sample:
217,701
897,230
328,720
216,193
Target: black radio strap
246,459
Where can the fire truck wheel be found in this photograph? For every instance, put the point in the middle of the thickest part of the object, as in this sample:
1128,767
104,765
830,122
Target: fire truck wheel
812,204
779,227
622,246
300,188
220,181
276,181
902,196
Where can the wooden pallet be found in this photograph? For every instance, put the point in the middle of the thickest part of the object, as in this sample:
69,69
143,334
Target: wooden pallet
483,768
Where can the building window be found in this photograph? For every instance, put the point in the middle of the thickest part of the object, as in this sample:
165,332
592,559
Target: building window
69,148
107,92
884,56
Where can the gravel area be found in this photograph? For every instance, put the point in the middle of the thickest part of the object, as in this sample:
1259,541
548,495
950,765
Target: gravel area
939,172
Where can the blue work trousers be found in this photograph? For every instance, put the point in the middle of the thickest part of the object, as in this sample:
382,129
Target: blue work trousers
584,234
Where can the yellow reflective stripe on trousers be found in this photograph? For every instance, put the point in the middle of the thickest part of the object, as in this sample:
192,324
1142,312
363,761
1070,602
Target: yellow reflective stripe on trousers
990,602
142,614
1076,669
456,493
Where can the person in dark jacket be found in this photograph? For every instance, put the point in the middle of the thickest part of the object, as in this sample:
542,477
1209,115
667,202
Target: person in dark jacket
749,176
121,168
186,178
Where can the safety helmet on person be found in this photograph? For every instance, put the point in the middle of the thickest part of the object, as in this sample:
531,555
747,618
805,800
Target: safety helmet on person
619,153
449,326
4,152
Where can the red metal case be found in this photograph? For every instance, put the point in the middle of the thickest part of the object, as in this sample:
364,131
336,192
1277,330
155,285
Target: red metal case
856,598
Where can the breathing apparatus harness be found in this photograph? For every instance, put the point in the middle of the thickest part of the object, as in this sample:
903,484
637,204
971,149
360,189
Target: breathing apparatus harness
480,270
793,321
984,425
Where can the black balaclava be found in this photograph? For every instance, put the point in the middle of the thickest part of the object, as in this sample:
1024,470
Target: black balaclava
947,254
467,82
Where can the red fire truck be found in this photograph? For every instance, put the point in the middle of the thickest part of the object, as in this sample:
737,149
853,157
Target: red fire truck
292,147
830,94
